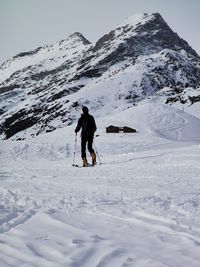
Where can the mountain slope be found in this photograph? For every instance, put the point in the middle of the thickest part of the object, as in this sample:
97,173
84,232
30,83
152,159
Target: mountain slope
138,35
42,90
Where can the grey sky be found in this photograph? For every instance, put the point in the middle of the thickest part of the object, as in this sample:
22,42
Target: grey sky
27,24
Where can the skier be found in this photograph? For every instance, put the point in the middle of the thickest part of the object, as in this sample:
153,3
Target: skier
88,125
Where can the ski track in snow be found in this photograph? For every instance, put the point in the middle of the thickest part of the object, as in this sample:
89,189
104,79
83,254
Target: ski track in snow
139,208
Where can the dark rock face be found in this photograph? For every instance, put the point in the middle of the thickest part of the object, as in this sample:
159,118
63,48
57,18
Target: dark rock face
104,41
6,89
23,54
194,99
60,70
19,122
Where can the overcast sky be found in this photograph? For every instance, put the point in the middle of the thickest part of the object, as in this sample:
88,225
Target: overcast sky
27,24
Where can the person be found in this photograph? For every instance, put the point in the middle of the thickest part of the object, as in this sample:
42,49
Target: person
88,125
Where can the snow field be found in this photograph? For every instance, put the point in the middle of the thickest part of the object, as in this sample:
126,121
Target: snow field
140,208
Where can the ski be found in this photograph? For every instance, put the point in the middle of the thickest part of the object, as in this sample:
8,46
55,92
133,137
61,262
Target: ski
89,165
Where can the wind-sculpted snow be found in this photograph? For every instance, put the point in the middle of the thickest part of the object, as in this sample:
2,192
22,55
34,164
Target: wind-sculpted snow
174,124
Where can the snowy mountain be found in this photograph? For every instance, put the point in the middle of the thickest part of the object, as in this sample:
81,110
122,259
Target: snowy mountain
42,90
141,206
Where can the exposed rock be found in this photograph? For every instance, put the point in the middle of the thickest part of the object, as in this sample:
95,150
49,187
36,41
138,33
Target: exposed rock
6,89
194,99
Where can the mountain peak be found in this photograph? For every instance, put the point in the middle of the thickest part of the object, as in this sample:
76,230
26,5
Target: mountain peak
140,19
145,33
79,37
133,20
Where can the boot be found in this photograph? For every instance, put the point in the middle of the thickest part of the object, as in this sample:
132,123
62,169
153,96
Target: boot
94,161
85,163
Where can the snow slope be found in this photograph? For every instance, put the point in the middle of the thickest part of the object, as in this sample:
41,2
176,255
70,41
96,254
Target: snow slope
139,208
45,58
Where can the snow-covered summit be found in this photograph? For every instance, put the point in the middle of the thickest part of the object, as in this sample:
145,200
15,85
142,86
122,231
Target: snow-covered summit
138,19
46,57
135,19
144,34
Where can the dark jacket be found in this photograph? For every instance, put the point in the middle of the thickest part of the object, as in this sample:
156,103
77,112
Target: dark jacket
88,125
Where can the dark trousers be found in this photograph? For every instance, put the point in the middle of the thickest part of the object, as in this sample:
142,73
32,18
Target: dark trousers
86,140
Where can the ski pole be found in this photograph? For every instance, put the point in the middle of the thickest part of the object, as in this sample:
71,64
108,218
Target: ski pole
97,154
74,150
